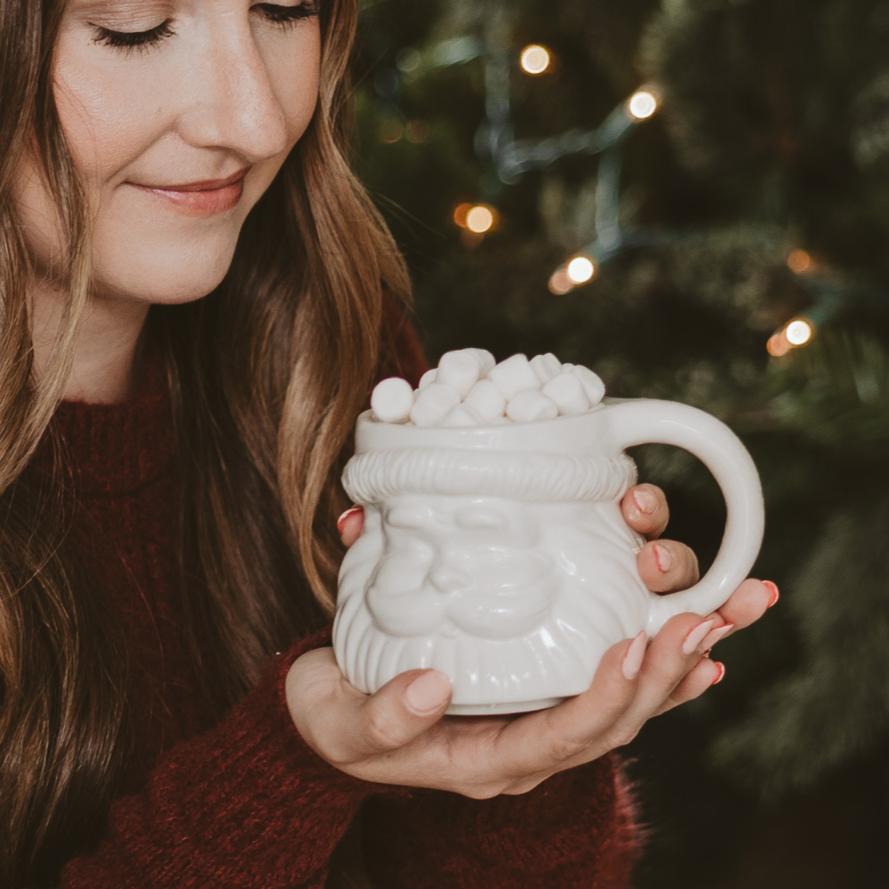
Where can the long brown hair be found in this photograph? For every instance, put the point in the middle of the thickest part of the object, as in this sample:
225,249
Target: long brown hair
262,436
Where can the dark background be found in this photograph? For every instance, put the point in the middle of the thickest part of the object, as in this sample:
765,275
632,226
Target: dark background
758,194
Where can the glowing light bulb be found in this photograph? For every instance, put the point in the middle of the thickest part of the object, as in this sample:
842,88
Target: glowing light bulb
778,345
480,219
535,59
799,261
642,105
560,283
799,332
580,270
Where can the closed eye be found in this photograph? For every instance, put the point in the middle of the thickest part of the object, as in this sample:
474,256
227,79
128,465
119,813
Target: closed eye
288,15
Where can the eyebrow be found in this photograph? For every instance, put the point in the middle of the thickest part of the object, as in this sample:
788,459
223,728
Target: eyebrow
122,6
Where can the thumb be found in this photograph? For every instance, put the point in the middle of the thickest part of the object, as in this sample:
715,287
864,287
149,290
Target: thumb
402,710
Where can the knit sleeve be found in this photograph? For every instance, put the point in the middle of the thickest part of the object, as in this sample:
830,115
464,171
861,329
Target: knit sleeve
248,805
574,830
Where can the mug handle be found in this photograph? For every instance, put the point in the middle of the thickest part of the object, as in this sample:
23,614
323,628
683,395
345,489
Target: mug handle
643,421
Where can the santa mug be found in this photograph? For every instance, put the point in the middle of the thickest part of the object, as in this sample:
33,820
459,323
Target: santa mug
499,554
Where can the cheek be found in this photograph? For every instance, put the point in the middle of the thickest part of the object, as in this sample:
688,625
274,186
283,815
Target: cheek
295,81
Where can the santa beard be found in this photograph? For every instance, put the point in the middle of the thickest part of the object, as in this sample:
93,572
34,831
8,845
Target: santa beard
566,617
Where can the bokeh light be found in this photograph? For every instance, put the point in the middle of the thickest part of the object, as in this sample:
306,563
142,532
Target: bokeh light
799,261
799,332
580,270
535,59
560,283
778,345
642,105
480,219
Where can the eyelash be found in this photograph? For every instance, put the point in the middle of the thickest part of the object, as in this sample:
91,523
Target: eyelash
285,16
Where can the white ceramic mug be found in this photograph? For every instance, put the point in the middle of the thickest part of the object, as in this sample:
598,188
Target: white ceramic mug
499,554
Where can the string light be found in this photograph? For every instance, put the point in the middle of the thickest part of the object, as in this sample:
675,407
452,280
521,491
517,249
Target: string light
799,332
535,59
480,219
642,104
580,270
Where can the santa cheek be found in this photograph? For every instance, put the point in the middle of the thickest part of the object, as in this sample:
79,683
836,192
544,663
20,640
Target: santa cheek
398,598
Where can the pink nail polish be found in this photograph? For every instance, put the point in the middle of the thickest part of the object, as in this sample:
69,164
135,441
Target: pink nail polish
715,635
634,656
721,675
341,521
663,557
696,636
427,692
773,589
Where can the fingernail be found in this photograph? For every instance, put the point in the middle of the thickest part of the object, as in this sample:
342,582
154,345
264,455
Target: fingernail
696,636
646,501
663,557
427,693
633,658
720,675
715,635
341,521
773,589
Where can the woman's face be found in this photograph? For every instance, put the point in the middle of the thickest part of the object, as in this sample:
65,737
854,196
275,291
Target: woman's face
206,90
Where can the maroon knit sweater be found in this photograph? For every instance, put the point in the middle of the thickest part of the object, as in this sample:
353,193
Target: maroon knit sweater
248,804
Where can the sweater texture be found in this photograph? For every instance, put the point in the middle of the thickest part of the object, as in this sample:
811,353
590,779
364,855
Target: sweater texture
245,802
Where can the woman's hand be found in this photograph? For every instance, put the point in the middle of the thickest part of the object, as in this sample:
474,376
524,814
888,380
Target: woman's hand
398,735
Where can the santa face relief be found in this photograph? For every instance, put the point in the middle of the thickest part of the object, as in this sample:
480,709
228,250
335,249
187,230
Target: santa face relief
470,566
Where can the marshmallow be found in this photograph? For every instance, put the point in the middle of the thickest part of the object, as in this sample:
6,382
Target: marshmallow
485,359
433,404
567,391
428,377
514,375
529,405
546,367
462,415
392,400
487,400
459,369
592,384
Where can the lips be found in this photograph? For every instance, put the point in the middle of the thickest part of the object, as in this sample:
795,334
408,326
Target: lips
204,198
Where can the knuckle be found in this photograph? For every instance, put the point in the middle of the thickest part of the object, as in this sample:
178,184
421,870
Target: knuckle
562,748
483,792
382,731
621,736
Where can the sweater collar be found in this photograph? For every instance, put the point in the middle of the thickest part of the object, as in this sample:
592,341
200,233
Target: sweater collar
118,448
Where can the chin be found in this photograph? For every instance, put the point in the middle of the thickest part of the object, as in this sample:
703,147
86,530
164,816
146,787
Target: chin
175,280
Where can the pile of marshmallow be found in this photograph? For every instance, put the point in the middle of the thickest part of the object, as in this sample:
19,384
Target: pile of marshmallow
469,388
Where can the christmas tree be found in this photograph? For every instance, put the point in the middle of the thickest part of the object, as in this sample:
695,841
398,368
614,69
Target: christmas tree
692,198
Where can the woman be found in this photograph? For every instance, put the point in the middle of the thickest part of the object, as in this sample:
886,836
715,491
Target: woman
170,528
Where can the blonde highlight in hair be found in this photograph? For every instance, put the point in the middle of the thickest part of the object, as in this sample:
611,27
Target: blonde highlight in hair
267,375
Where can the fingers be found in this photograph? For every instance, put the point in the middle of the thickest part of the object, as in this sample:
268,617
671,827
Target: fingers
667,566
705,674
581,728
645,510
345,726
749,602
350,524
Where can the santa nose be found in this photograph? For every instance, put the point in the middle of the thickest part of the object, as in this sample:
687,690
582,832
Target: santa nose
449,580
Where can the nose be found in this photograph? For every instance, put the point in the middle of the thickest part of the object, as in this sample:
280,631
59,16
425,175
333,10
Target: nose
231,98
